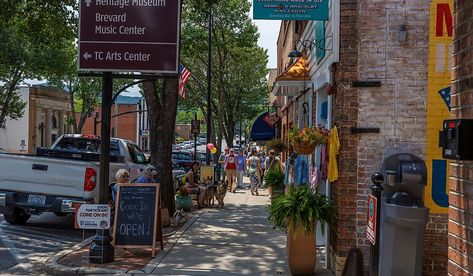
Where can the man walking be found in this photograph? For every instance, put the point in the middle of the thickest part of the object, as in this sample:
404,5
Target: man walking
241,168
230,170
221,163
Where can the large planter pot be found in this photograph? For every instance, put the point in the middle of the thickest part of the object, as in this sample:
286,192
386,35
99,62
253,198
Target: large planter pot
301,251
184,202
276,192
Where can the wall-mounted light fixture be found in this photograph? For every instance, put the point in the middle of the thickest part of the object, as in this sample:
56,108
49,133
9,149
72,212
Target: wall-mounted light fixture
402,33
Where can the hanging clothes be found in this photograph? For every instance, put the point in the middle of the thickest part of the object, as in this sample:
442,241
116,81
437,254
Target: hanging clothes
301,171
334,147
313,176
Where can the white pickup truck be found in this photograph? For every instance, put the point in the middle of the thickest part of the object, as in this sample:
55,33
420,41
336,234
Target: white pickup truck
56,178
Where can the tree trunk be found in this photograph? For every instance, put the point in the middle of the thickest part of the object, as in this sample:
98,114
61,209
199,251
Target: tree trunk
162,108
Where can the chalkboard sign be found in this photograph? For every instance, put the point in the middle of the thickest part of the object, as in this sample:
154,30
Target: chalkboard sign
137,220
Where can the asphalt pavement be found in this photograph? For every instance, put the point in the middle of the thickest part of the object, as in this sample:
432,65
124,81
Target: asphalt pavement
25,248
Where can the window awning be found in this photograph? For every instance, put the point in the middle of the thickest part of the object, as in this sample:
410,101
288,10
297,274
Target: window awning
263,128
294,80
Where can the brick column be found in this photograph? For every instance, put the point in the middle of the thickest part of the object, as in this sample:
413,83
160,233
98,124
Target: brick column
460,225
345,115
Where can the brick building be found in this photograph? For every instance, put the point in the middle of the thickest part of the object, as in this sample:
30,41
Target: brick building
123,126
460,225
385,63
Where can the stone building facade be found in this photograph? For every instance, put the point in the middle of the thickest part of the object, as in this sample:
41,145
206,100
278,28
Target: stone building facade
460,227
44,120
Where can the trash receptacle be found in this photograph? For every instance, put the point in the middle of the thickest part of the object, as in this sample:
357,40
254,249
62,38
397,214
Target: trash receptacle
403,216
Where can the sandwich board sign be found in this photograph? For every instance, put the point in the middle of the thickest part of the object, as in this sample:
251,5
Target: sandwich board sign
129,35
137,220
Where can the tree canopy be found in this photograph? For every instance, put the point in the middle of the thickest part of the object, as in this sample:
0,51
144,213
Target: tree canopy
239,85
35,39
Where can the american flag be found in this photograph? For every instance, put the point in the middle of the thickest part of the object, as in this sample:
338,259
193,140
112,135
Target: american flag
184,75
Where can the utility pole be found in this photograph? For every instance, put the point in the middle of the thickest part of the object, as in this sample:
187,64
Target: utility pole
102,250
209,84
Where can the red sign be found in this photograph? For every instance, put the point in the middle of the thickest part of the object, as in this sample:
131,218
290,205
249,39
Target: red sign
129,35
371,219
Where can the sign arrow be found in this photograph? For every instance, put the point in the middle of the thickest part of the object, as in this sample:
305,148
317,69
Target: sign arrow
87,55
87,2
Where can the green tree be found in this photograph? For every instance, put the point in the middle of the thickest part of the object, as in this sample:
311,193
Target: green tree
35,37
239,65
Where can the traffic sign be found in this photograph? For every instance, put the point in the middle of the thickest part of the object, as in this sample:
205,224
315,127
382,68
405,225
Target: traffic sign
129,35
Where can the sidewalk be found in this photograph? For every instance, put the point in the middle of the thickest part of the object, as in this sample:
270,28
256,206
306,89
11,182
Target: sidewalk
236,240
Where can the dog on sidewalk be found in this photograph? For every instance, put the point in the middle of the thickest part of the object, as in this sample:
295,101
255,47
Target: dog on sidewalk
216,191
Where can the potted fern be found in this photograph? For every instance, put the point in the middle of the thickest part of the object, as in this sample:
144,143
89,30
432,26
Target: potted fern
298,212
274,182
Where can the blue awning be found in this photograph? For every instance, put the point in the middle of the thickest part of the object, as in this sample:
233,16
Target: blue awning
263,128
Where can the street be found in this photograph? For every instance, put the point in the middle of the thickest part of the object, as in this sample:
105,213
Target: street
25,248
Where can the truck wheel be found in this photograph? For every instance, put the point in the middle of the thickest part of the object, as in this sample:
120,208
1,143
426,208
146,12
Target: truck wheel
19,216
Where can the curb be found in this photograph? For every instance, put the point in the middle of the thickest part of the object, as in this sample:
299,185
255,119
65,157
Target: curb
51,265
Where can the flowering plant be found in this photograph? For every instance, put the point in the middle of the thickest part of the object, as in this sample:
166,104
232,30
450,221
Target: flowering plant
183,191
310,136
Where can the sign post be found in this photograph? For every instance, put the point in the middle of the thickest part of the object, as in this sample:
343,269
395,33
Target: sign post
372,231
195,129
124,36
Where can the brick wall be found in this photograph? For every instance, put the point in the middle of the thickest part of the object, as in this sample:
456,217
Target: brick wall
460,227
126,125
345,115
370,50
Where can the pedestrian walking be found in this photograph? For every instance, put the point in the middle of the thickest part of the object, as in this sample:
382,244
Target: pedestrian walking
221,163
254,171
241,168
273,162
263,162
230,170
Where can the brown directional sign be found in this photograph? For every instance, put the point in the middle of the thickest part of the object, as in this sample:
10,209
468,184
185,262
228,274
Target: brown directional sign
129,35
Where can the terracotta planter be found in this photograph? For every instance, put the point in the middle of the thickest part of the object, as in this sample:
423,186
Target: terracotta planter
301,251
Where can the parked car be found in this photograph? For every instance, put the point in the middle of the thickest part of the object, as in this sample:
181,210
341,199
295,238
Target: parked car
57,178
183,159
202,156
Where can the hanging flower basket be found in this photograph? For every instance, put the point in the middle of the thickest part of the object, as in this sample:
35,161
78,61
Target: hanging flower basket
303,148
306,139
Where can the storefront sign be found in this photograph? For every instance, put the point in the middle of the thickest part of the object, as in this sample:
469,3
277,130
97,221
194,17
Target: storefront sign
129,35
320,40
291,10
371,219
438,100
195,127
92,216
